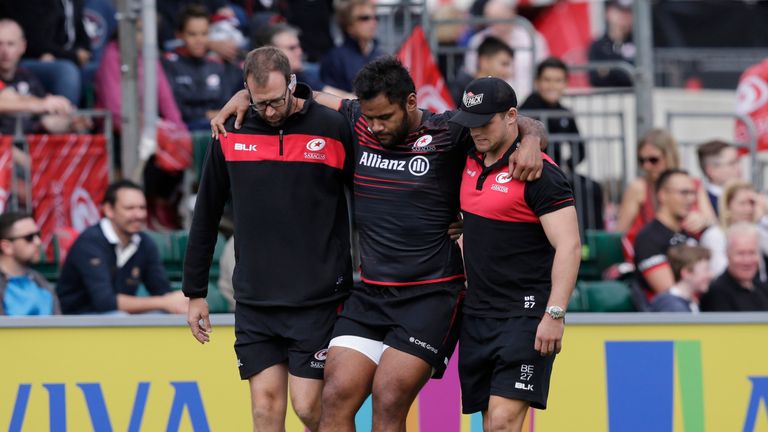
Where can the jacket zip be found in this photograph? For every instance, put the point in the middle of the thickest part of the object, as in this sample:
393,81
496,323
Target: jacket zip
281,142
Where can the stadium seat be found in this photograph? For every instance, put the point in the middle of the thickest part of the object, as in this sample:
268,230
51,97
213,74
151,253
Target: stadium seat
50,268
602,249
172,246
162,240
606,296
216,301
200,142
576,304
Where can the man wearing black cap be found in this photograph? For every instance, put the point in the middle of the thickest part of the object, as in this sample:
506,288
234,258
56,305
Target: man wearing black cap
522,253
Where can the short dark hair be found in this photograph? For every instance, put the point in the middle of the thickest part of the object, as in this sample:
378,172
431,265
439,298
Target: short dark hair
264,35
492,45
666,175
551,63
387,76
684,256
261,61
110,196
710,150
190,12
8,219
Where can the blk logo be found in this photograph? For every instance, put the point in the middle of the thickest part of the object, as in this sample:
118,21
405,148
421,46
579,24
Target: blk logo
245,147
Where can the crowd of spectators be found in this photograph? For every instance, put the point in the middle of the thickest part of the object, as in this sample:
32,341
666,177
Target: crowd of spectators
690,240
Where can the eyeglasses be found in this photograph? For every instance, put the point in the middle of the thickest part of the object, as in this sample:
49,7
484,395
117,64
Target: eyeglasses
274,103
365,18
653,160
683,192
29,238
291,47
730,163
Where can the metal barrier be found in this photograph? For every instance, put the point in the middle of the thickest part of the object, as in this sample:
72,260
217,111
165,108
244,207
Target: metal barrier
20,142
687,147
452,53
396,19
672,65
598,175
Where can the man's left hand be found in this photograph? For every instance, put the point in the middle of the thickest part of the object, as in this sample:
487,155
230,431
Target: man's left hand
525,163
456,229
549,336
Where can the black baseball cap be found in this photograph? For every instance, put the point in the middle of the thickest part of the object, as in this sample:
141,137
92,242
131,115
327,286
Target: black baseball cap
483,98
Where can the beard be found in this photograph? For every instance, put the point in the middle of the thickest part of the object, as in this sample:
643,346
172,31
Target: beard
283,116
397,137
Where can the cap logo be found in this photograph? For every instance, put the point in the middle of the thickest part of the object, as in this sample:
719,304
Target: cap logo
470,99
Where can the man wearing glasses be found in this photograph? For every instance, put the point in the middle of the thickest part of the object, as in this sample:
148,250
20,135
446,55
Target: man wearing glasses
23,291
285,171
676,194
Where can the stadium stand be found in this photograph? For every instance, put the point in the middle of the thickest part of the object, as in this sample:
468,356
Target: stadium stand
172,246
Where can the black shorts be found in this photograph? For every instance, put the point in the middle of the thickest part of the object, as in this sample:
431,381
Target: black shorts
496,357
266,336
421,320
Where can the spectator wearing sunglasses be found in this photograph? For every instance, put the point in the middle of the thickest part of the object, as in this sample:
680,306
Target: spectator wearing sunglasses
357,20
656,153
23,291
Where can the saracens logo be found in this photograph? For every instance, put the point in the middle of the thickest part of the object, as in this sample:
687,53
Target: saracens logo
423,144
423,141
503,177
470,99
83,212
322,354
316,144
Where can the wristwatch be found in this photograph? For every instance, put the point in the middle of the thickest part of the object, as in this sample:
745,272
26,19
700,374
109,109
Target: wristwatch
556,312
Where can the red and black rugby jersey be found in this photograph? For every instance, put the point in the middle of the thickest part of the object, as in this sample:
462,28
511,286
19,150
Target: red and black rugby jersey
506,252
651,246
404,199
290,213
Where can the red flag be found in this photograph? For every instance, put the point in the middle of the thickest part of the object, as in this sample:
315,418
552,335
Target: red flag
416,56
752,101
69,175
6,170
566,28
